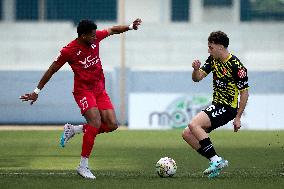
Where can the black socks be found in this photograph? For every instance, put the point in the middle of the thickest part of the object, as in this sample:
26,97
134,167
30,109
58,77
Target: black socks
207,150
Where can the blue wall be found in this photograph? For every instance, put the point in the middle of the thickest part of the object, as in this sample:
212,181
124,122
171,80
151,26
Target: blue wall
56,105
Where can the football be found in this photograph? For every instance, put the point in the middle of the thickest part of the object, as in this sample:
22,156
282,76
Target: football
166,167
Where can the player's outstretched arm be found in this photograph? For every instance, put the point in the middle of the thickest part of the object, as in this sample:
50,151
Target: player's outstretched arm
32,97
123,28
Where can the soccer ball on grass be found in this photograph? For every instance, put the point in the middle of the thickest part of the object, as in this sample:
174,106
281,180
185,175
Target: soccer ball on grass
166,167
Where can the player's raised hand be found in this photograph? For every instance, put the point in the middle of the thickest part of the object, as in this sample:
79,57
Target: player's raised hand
196,64
29,97
136,23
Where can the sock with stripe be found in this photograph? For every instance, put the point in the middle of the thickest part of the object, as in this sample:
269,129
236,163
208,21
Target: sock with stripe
207,150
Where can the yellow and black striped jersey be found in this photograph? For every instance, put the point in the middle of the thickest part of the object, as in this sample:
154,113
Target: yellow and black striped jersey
229,77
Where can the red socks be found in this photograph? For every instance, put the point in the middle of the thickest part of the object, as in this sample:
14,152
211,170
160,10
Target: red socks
88,139
90,134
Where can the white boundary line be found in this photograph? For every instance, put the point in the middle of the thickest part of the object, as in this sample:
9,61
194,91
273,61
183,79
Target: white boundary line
38,127
30,127
37,173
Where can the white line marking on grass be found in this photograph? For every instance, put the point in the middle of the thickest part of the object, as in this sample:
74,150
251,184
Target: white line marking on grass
30,128
38,127
37,173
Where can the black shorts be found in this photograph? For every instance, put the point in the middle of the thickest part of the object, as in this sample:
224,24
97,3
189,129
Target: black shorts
219,115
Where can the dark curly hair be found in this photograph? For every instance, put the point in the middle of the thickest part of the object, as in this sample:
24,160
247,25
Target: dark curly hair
85,26
219,37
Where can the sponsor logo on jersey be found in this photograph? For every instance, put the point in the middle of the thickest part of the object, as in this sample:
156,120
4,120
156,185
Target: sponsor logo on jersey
224,71
89,61
93,46
242,84
220,84
242,73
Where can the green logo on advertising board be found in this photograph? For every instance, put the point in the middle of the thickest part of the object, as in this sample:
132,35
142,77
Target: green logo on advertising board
180,111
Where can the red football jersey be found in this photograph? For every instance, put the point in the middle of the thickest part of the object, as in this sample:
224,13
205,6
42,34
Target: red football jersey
85,63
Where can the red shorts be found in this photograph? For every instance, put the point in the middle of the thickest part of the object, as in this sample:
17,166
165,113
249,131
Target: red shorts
90,99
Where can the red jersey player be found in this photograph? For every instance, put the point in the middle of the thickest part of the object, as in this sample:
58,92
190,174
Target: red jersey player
82,54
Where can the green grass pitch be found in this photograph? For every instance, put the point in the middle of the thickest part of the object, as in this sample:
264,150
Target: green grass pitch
126,159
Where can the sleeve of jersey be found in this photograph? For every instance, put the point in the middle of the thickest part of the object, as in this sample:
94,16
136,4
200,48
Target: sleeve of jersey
241,77
207,68
101,34
62,58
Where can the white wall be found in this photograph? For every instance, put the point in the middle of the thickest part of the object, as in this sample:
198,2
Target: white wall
33,46
151,11
159,11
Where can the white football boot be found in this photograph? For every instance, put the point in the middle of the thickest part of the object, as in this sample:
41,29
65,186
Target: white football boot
85,172
67,134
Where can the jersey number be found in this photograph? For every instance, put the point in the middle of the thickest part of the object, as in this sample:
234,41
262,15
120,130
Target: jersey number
210,108
217,112
84,103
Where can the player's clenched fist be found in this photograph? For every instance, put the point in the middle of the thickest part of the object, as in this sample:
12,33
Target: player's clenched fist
196,64
136,23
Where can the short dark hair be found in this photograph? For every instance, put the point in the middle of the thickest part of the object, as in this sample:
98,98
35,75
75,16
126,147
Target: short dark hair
85,26
219,37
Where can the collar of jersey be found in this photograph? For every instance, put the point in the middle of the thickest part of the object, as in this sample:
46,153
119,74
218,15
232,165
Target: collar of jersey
82,45
230,56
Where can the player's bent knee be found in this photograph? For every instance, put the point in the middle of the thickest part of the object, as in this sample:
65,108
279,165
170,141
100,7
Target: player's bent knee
113,126
186,133
95,123
190,126
193,126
